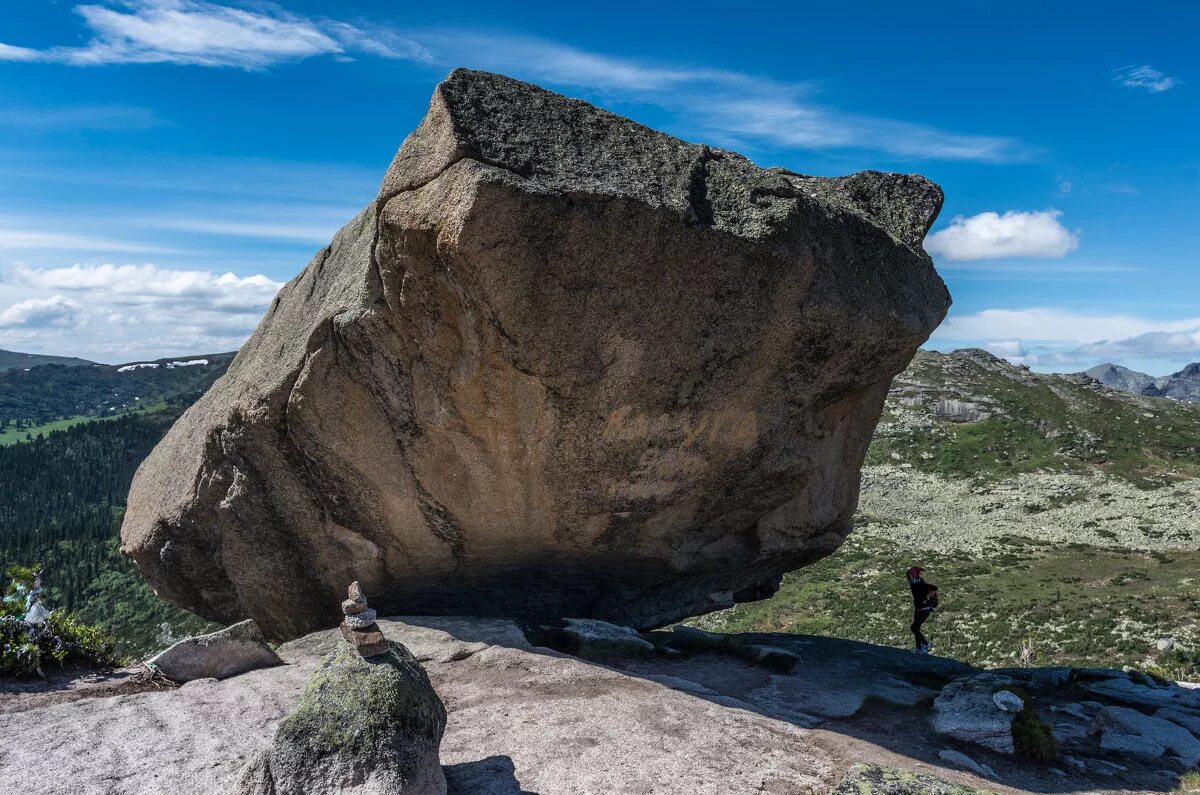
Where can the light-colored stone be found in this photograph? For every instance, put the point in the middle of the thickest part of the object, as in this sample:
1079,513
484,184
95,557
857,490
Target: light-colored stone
1008,701
1164,644
563,365
361,620
218,655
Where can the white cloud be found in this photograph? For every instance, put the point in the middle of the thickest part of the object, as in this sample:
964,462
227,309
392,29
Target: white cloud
195,32
990,235
731,108
152,283
35,240
111,312
1147,78
87,117
55,311
1051,324
10,53
1049,337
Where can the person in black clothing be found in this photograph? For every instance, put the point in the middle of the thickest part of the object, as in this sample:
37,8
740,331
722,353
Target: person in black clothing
924,601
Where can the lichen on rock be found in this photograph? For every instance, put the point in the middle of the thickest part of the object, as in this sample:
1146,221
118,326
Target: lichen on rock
870,779
363,725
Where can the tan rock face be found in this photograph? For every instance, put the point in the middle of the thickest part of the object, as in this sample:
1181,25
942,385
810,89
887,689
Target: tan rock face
564,365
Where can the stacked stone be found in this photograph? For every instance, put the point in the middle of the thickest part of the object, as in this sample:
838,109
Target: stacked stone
359,627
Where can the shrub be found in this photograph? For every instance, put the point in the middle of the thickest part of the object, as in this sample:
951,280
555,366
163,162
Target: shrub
1189,783
1031,738
62,638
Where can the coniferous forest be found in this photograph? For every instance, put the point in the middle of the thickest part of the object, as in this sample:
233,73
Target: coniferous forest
62,493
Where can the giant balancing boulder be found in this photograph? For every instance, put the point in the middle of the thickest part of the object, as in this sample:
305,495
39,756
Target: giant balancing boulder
562,366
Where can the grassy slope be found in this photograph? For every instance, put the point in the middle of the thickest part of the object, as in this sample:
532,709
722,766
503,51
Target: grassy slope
1072,603
13,359
1046,422
1076,606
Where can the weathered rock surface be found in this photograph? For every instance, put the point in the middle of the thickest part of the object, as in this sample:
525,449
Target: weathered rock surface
597,639
217,655
524,719
880,780
967,710
564,365
363,726
1124,728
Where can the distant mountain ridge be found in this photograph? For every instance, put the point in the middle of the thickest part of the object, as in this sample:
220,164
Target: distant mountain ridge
1183,385
13,360
53,391
971,414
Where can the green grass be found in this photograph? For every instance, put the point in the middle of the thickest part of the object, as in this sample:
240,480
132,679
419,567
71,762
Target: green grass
1074,604
14,436
1046,423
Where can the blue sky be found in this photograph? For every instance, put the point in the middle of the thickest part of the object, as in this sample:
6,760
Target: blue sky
166,164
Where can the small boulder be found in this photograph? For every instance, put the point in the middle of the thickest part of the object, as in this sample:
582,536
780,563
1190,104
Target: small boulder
1164,644
592,638
1122,728
218,655
364,725
967,710
1008,701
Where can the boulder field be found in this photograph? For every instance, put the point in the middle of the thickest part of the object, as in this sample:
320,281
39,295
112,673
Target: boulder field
562,365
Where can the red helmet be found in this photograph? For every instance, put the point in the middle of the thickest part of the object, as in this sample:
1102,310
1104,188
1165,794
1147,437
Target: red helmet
915,571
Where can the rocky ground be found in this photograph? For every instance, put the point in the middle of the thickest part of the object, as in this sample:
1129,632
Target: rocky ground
666,712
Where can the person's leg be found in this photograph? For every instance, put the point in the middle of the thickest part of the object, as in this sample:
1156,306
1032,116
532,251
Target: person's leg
918,619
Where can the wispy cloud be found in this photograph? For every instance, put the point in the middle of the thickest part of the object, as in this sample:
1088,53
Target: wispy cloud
12,239
991,235
727,107
1052,337
303,224
85,117
1146,78
193,32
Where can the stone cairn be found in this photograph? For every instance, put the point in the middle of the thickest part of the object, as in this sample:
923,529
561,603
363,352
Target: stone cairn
359,627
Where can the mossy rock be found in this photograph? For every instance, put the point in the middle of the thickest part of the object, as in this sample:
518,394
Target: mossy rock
362,725
880,780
